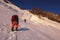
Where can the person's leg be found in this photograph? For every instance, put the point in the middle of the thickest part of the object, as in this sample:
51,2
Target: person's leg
12,27
16,26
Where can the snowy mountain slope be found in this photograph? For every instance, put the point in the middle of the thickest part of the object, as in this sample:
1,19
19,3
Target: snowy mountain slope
34,29
25,14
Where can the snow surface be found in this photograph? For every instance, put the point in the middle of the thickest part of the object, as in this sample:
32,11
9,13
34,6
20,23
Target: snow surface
33,29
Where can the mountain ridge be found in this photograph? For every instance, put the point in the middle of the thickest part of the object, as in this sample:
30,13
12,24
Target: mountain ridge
50,15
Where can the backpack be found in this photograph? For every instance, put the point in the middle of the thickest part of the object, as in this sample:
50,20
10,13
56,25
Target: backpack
14,18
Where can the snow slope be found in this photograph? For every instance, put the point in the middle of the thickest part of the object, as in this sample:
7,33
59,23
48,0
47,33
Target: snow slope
33,29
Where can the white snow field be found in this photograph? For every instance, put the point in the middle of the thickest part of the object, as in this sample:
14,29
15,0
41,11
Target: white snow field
33,29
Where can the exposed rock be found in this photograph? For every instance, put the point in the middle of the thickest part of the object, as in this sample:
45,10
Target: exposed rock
50,15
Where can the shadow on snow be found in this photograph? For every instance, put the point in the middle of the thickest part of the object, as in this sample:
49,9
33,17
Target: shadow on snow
23,29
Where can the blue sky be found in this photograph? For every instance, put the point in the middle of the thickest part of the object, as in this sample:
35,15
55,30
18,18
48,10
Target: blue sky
48,5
